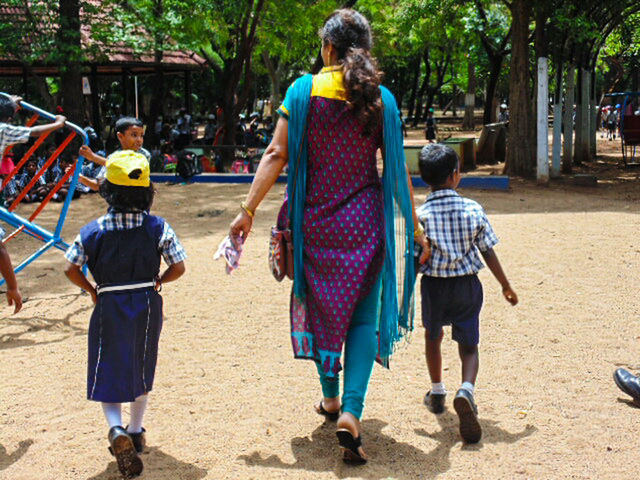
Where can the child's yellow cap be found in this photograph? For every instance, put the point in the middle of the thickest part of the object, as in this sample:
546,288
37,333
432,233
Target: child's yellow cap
128,168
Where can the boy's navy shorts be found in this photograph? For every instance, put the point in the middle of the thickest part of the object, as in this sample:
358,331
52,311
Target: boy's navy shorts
454,301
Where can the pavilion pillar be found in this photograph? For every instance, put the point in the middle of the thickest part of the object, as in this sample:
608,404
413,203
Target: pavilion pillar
187,90
25,83
95,104
125,92
567,121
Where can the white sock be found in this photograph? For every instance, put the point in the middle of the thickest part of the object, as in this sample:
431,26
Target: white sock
438,388
137,414
468,386
113,413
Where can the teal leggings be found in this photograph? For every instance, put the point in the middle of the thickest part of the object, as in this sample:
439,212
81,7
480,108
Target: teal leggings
360,351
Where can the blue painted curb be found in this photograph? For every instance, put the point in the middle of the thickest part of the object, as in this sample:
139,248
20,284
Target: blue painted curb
489,182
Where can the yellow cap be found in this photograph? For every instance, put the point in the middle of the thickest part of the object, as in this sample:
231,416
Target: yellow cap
128,168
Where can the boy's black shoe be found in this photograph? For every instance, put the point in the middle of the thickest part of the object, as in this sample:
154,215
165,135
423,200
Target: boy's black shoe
139,440
628,383
435,401
465,407
121,447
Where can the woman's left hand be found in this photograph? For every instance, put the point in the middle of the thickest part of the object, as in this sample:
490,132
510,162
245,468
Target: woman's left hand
424,242
241,226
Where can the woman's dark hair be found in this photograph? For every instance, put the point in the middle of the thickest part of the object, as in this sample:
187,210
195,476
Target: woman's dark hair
436,163
127,199
350,34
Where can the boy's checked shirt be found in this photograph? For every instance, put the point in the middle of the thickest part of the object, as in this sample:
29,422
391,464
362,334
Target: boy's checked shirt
10,134
458,229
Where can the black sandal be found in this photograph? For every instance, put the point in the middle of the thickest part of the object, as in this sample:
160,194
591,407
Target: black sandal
320,410
350,445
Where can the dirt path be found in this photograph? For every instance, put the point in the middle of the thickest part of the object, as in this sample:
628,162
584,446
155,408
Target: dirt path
231,403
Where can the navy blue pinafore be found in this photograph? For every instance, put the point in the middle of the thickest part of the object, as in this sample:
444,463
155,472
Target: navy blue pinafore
125,325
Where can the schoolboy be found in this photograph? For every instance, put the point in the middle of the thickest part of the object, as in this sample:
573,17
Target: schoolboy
9,135
39,189
130,133
458,229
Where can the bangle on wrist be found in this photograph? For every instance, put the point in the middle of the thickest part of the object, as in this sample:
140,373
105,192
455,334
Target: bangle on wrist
246,208
419,231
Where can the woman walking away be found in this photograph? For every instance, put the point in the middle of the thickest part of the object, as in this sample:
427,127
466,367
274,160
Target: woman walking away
346,242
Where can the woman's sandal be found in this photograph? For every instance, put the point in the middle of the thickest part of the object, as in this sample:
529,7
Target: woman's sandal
320,410
350,445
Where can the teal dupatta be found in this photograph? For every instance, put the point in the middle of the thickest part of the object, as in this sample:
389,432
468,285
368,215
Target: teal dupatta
398,272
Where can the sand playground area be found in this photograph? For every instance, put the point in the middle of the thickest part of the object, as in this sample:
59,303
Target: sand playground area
230,402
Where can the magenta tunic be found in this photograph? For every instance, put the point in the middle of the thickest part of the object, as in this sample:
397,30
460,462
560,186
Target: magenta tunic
343,230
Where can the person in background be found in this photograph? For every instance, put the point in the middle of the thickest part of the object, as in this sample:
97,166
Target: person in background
130,133
184,126
503,116
210,130
431,128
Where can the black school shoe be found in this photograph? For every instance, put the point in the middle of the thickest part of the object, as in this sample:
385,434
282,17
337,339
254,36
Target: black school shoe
465,407
121,447
139,440
628,383
435,401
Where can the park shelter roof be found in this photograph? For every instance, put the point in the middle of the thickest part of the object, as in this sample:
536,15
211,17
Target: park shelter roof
108,59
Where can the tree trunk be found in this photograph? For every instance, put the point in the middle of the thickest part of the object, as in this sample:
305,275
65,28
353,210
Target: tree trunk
569,98
520,151
557,124
582,153
70,71
542,147
495,68
275,74
468,122
415,67
593,124
425,83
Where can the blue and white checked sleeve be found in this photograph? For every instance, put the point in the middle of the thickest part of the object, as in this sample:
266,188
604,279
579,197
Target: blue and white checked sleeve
2,233
486,237
75,254
170,247
10,134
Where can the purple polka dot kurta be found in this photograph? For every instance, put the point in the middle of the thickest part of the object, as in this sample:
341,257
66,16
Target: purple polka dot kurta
343,231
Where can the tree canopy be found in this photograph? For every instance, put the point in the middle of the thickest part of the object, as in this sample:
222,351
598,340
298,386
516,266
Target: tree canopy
432,51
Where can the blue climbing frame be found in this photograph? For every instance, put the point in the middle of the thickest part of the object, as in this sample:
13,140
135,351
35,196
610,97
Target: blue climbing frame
50,239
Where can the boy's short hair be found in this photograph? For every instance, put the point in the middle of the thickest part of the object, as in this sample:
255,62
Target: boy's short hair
436,163
123,124
7,108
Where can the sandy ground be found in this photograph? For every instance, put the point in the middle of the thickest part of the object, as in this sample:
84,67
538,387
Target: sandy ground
230,402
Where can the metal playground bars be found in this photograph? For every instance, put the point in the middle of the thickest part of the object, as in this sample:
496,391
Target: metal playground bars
27,225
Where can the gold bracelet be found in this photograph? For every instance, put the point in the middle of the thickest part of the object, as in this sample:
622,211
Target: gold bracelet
418,231
245,207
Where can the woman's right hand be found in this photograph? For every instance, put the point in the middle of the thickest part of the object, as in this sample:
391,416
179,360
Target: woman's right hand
241,226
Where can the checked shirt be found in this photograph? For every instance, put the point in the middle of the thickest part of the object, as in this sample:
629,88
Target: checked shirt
169,247
459,230
10,134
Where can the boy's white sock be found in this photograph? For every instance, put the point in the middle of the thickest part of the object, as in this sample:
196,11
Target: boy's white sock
137,414
468,386
113,413
438,388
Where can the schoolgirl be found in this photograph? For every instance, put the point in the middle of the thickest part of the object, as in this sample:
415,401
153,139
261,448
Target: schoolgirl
123,250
